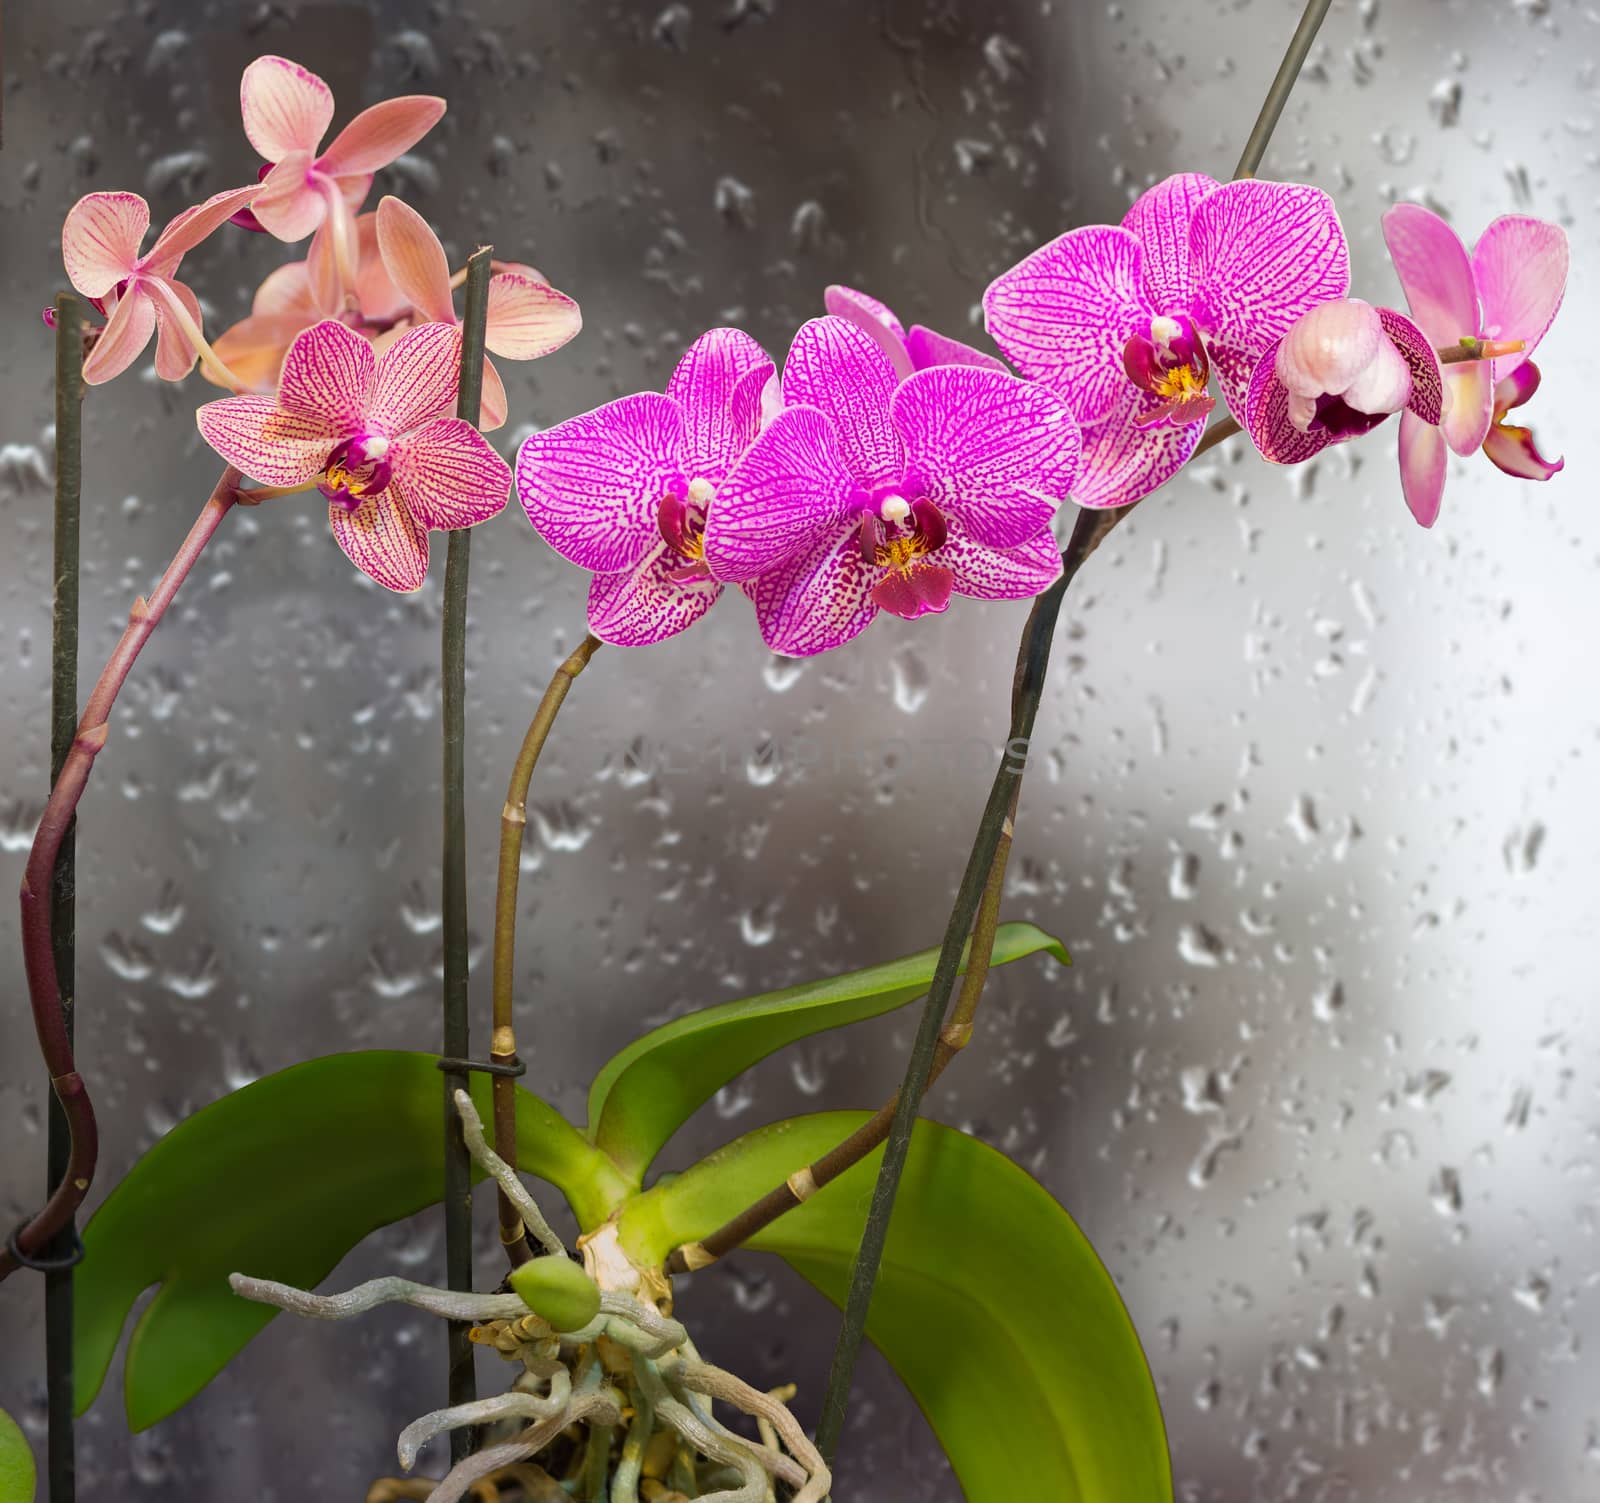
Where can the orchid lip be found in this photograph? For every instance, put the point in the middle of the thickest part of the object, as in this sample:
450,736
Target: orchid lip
359,467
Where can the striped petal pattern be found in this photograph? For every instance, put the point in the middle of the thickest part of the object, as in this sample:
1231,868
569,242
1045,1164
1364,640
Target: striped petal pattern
448,476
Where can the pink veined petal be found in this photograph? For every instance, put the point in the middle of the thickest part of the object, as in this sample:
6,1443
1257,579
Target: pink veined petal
1521,267
414,260
328,375
1423,456
175,356
995,453
1063,314
100,240
493,404
927,348
1266,418
448,476
380,134
288,204
1512,450
1122,461
1262,254
383,540
253,349
528,319
1427,379
1470,407
876,320
1160,217
641,606
192,226
286,108
984,573
380,300
1435,273
703,385
418,378
790,487
591,486
836,367
267,443
122,340
820,599
757,399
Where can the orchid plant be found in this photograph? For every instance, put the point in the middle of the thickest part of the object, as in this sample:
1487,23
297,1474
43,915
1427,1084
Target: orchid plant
883,473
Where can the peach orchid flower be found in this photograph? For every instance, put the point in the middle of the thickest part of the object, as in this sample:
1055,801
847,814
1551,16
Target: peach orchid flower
527,316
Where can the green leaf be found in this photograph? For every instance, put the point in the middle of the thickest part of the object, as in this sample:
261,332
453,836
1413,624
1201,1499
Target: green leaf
647,1092
17,1476
280,1180
991,1305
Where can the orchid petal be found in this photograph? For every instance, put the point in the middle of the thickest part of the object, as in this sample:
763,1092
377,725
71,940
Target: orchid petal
1160,217
591,485
985,573
820,599
418,378
380,134
836,367
995,453
414,260
641,606
123,339
101,238
1423,457
1435,273
703,385
253,349
383,540
324,282
1516,389
448,476
494,407
175,354
528,319
267,443
922,590
379,299
1264,254
1512,450
1124,461
286,292
287,205
192,226
1521,268
1426,398
876,320
328,374
286,108
1267,421
757,399
928,347
1063,314
790,486
1469,409
1329,348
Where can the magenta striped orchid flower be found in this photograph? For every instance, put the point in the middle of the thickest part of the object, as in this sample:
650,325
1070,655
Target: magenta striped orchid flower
1509,287
868,494
100,244
909,350
626,491
373,436
1127,322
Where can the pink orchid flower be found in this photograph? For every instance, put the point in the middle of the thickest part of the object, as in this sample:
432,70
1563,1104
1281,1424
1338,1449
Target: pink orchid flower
287,110
867,493
1508,288
373,437
528,318
625,491
1340,371
303,293
908,350
1126,322
100,248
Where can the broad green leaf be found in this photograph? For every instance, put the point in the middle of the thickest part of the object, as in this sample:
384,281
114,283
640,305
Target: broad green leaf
280,1180
17,1477
647,1092
991,1305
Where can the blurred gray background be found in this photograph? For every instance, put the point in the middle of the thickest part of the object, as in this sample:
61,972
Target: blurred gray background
1313,805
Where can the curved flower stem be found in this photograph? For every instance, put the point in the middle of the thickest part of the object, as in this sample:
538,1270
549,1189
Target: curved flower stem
513,821
457,1024
38,929
1282,85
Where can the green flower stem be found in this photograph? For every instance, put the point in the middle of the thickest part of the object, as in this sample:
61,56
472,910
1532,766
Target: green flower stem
457,1023
1282,85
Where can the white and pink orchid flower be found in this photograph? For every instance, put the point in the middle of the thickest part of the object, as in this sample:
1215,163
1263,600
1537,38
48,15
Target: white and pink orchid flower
527,317
287,110
100,248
